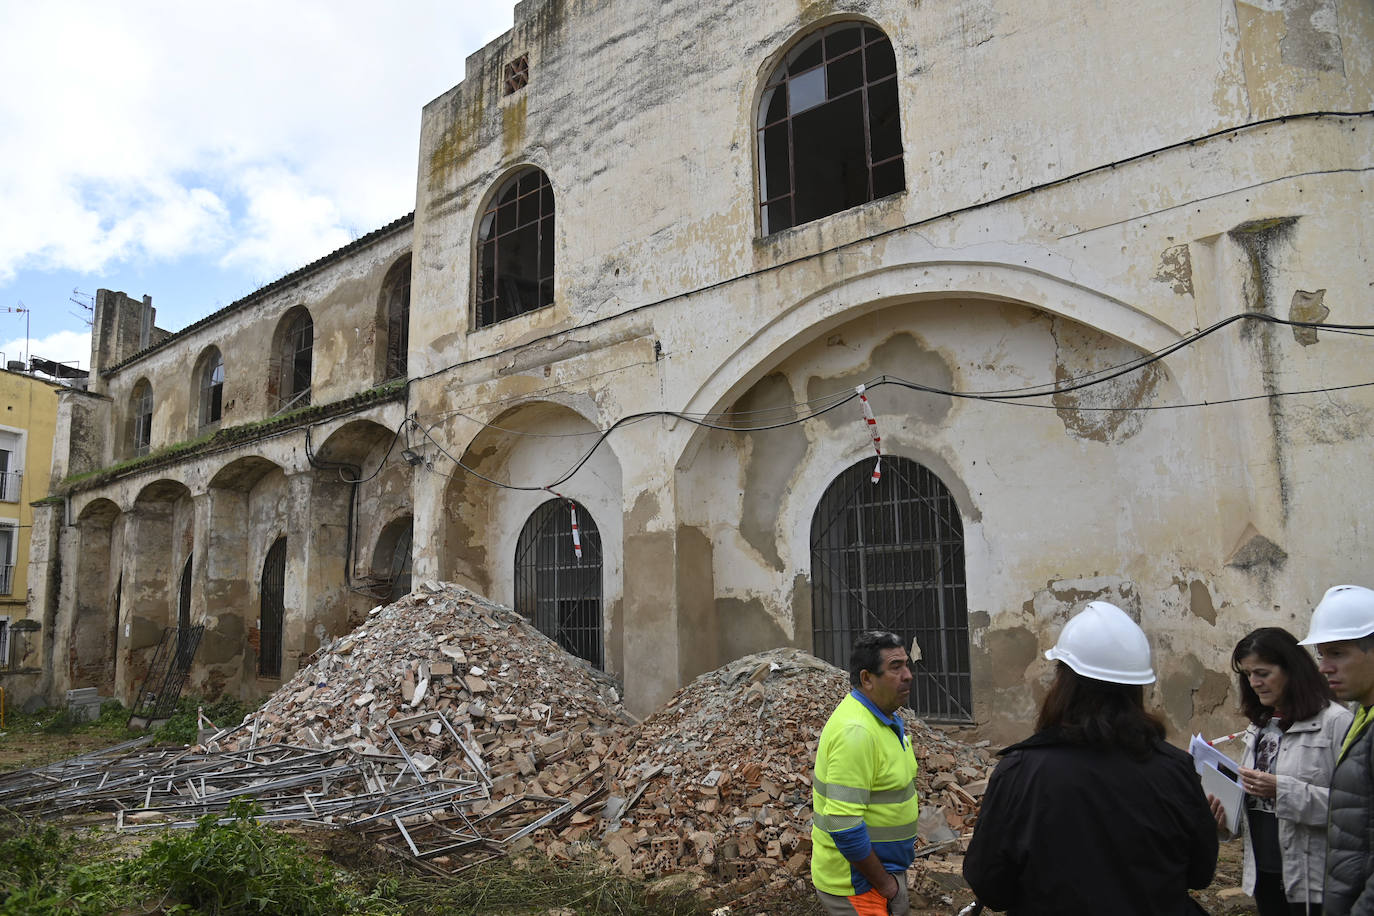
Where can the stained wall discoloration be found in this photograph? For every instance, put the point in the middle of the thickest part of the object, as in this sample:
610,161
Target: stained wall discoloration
1102,412
746,626
698,620
1257,553
1176,269
1011,651
1309,307
901,356
1189,690
771,465
1200,602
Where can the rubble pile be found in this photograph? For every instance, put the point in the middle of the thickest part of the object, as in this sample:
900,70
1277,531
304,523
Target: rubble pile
538,720
718,781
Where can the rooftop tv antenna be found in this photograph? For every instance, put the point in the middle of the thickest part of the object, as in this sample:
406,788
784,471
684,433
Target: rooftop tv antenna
21,308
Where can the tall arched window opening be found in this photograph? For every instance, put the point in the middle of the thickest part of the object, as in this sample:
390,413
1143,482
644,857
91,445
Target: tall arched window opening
272,610
391,560
396,314
210,382
296,360
141,414
890,556
515,249
555,588
829,127
185,644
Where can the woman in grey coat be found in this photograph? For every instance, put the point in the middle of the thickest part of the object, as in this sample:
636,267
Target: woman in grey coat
1291,747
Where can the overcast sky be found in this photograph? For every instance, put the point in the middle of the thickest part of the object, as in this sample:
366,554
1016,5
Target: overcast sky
192,151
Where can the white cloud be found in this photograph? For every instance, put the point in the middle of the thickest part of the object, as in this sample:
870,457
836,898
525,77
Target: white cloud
260,133
71,347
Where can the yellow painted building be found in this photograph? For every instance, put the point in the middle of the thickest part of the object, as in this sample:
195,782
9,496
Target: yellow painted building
28,421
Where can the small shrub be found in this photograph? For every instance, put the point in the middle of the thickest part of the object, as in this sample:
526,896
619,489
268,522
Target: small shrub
242,867
183,727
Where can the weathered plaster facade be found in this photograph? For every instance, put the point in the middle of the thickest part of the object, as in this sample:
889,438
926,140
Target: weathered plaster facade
1084,184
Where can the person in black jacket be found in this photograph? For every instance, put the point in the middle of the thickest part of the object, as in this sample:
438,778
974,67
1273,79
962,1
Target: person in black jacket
1094,813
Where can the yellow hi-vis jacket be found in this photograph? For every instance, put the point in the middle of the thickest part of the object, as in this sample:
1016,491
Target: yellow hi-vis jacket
863,794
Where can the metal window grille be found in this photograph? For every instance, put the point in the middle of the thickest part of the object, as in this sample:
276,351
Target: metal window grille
300,343
890,556
273,609
184,597
829,128
212,389
560,593
515,249
517,74
7,579
167,674
143,419
398,320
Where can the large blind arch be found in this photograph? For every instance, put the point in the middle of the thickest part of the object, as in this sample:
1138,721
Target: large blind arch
828,126
890,556
560,592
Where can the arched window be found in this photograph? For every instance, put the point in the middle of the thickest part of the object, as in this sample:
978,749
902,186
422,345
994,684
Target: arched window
555,588
186,646
297,347
141,417
890,556
829,131
396,318
391,560
210,382
515,249
272,609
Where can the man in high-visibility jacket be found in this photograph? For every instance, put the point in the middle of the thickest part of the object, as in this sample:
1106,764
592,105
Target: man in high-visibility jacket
864,789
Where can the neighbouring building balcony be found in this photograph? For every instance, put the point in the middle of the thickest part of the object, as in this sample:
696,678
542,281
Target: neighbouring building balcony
6,579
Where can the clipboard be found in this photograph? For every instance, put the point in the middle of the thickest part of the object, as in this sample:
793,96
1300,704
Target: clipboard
1220,777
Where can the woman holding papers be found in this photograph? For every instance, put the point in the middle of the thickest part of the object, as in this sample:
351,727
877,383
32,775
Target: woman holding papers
1291,747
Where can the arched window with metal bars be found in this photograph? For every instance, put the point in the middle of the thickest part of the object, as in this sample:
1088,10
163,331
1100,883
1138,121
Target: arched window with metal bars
560,592
515,249
890,556
829,127
272,609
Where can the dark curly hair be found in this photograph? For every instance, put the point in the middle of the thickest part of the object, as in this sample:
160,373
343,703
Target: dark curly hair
867,654
1306,692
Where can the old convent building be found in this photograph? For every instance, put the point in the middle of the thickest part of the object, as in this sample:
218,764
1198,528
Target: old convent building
1100,271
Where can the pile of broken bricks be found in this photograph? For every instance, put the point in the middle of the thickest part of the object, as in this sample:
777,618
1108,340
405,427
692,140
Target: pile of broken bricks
462,729
718,781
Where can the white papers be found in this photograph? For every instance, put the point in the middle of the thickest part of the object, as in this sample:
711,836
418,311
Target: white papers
1220,777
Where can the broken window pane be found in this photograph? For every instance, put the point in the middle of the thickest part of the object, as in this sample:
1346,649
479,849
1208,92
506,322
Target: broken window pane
829,129
396,296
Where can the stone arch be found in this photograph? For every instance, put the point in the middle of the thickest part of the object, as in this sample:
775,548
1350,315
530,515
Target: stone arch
91,651
390,571
370,453
530,446
1045,288
226,580
159,535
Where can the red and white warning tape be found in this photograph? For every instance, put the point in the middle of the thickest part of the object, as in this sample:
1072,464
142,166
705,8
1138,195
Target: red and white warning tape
873,431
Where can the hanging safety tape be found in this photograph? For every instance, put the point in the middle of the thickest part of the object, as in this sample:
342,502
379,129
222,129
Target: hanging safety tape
873,430
572,508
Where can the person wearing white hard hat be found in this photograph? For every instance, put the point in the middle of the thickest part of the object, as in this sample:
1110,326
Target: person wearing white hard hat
1343,631
1096,812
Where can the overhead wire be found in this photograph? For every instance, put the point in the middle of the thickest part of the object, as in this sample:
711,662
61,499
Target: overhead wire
1021,397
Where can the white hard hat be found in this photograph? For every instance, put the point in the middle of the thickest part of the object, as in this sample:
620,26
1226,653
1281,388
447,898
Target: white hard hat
1345,612
1103,643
